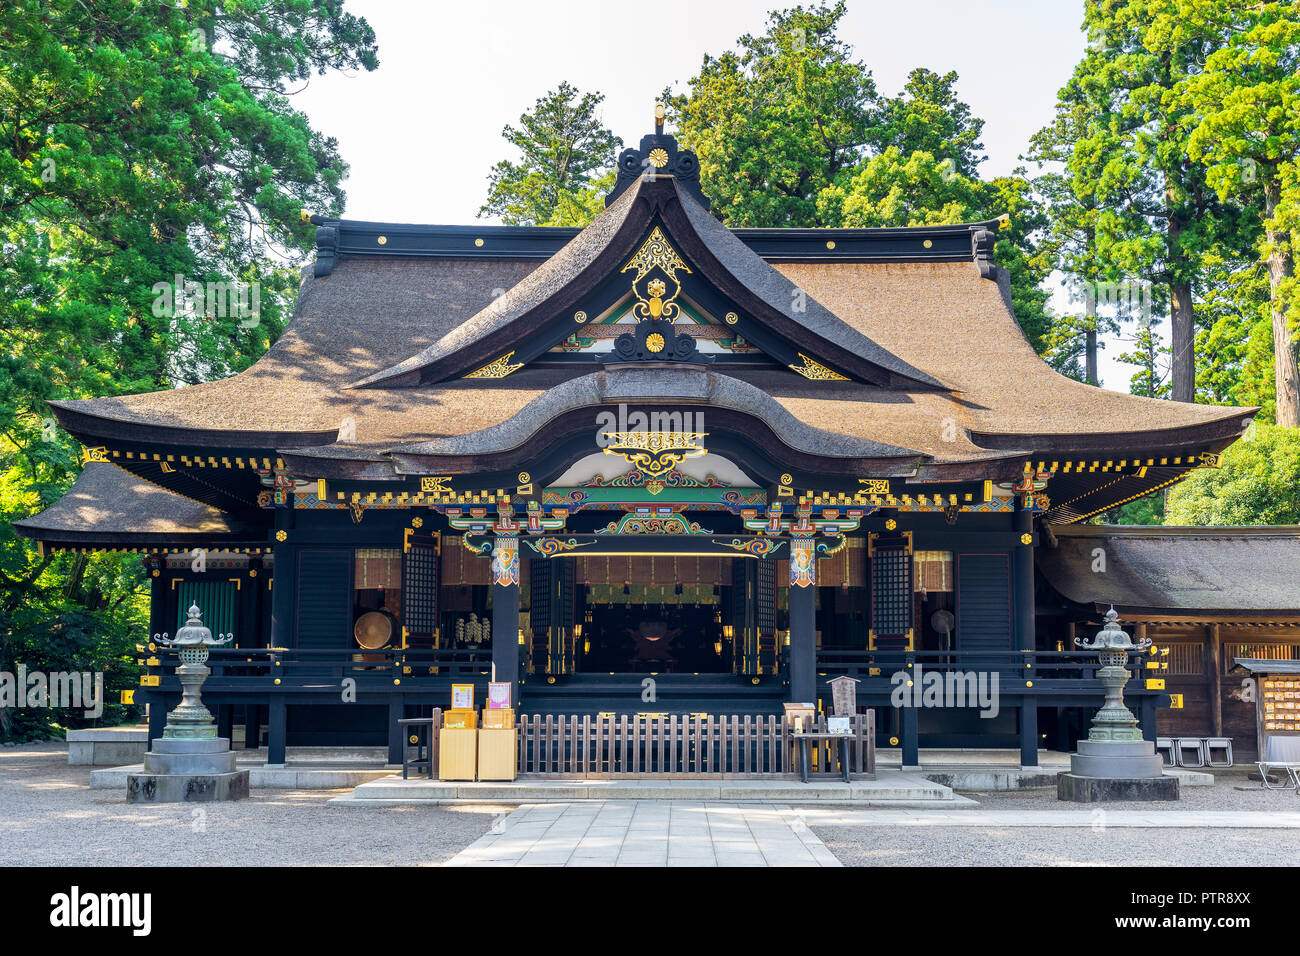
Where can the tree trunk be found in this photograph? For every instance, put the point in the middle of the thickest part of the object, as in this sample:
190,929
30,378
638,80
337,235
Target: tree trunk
1182,319
1090,343
1286,373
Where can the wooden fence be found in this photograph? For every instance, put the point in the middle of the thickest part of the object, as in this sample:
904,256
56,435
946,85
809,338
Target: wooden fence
734,745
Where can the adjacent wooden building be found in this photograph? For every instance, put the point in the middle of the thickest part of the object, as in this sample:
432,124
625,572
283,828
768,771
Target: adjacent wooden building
1204,596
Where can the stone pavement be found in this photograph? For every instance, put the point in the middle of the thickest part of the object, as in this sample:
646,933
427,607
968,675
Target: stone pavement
648,833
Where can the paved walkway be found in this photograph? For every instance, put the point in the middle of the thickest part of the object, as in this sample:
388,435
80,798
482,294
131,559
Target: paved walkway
648,833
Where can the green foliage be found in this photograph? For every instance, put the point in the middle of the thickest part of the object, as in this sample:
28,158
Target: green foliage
1245,126
1149,509
779,120
790,131
138,143
1258,483
563,148
927,117
1127,202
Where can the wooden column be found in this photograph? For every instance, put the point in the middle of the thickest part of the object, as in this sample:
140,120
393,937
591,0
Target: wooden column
505,612
1026,634
157,715
1147,718
283,595
225,720
252,726
1214,677
396,733
276,730
1029,731
158,581
157,625
911,722
283,586
803,619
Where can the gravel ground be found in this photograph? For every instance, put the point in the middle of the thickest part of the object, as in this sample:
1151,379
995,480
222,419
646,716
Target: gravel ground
1231,791
960,846
49,817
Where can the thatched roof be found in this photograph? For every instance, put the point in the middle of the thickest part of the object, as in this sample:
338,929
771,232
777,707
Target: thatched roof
108,507
1196,571
961,385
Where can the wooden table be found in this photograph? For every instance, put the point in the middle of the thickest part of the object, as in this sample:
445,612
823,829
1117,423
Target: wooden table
804,740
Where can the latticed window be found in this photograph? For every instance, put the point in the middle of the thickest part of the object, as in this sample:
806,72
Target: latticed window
891,591
420,586
1262,652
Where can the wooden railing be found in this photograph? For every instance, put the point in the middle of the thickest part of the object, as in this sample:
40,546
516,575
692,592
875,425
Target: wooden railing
1044,665
294,664
586,745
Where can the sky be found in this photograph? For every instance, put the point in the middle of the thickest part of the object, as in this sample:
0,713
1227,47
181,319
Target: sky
421,132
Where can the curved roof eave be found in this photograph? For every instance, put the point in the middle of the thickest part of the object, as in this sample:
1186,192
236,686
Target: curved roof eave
637,384
81,417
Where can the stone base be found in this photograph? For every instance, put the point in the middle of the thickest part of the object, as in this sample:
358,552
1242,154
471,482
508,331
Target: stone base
188,769
208,756
186,787
1119,759
1080,789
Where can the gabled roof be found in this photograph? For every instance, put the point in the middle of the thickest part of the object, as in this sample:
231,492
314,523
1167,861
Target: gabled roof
537,313
1171,570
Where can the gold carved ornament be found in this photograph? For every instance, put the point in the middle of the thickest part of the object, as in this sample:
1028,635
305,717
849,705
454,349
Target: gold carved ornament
498,369
656,253
655,453
816,371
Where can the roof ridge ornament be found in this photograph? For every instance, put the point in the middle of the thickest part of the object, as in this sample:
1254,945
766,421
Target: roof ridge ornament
657,156
654,337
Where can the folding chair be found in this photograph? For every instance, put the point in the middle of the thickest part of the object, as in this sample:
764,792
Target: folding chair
1165,748
1221,746
1190,751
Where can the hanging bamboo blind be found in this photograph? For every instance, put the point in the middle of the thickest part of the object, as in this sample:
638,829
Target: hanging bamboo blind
646,570
378,568
461,566
933,570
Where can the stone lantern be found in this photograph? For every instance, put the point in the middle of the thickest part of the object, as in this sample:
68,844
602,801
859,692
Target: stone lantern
191,719
189,762
1115,762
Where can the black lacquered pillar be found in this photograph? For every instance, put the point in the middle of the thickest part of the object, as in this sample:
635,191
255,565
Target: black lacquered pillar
1026,637
283,581
803,619
505,612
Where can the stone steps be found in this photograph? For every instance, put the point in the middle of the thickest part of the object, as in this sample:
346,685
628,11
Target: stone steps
262,777
889,789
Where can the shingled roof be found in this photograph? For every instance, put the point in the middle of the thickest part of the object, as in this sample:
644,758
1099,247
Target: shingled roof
1177,572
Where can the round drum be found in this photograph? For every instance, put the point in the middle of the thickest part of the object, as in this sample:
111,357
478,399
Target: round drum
373,630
